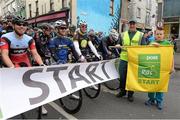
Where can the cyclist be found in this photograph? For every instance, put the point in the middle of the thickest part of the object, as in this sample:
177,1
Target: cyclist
111,40
15,45
61,44
83,45
42,42
92,36
9,27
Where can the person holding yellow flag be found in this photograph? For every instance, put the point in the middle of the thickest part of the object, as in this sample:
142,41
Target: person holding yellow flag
156,98
132,37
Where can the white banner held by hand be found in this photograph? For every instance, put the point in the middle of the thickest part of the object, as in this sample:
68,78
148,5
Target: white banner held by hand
23,89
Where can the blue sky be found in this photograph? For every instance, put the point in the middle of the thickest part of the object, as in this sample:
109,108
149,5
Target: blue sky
96,13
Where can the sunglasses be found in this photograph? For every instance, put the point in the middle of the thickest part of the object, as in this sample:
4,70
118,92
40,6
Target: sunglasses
22,24
84,26
9,20
62,28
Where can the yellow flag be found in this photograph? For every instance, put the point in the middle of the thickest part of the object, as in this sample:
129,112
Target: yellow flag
149,68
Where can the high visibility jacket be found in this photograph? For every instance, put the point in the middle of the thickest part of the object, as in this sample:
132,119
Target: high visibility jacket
136,40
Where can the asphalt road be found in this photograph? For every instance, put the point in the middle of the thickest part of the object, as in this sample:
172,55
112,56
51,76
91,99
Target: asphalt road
107,106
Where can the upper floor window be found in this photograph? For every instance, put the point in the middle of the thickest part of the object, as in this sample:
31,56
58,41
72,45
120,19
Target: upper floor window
51,5
30,11
138,12
37,8
64,3
111,7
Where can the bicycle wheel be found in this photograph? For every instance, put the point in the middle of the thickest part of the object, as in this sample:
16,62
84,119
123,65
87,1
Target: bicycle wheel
32,114
92,91
72,103
113,84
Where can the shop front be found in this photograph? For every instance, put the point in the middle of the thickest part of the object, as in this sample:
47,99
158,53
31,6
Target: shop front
49,18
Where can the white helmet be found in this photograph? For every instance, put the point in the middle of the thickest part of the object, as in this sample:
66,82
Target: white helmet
59,23
114,34
82,23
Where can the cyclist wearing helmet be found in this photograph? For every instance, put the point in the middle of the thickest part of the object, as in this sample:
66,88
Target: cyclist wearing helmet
9,27
16,44
60,45
71,32
92,36
111,40
15,47
82,43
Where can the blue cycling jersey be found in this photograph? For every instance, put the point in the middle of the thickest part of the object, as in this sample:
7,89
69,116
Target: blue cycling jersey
62,45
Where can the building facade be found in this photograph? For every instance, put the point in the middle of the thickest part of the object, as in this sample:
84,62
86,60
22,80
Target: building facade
170,17
143,11
39,11
12,7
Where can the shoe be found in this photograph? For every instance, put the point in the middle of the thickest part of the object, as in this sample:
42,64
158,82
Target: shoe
44,111
150,102
159,105
121,94
130,98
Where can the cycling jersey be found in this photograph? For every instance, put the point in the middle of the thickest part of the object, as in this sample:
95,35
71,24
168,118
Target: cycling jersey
59,47
42,45
104,47
18,48
83,42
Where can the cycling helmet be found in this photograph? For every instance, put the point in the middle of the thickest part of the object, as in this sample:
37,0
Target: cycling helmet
114,34
45,26
91,32
60,23
83,23
9,17
72,28
18,19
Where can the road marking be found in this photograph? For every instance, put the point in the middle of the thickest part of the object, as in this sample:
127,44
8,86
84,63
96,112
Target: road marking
61,111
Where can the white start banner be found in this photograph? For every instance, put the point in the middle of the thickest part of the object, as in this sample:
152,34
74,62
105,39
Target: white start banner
22,89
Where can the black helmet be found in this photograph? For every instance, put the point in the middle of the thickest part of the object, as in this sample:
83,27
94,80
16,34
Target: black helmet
18,19
72,28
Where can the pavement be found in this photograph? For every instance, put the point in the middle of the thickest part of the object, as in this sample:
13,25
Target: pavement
177,61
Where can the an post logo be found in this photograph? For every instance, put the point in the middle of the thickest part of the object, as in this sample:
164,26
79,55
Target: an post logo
149,66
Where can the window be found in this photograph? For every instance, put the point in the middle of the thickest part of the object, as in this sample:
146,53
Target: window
37,8
30,11
42,9
45,7
148,18
51,5
111,8
138,12
64,3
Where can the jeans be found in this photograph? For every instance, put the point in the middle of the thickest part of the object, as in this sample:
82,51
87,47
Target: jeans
157,96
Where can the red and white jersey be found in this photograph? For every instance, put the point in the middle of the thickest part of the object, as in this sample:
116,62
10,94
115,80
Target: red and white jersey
18,47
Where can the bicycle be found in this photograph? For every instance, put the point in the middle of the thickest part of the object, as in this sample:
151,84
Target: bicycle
92,91
71,103
113,84
31,114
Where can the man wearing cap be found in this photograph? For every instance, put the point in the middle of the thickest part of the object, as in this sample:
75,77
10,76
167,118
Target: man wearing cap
131,37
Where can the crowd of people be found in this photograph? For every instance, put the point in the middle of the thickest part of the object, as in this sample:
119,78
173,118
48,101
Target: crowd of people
62,44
